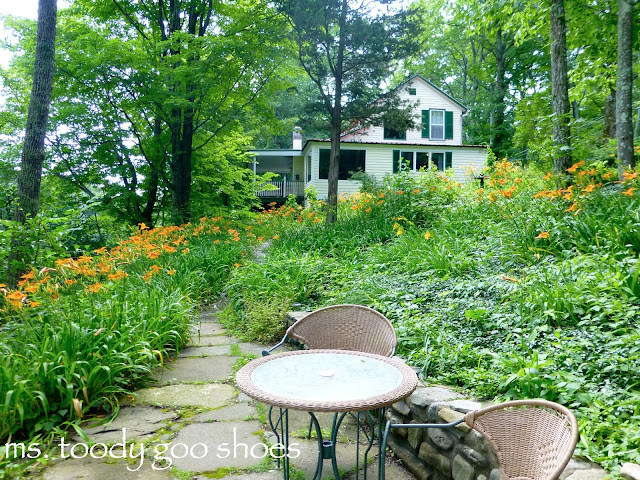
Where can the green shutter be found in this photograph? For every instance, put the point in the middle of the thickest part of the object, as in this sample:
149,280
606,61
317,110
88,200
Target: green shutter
448,125
448,163
425,123
396,161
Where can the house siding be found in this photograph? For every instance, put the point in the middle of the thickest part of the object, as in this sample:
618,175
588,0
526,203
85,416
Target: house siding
428,98
466,162
298,168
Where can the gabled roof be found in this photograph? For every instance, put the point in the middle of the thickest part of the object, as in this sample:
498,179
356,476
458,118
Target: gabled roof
409,79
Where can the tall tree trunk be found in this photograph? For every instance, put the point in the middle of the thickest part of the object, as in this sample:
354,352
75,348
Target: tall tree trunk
180,171
624,112
156,164
336,123
560,87
499,93
33,150
609,113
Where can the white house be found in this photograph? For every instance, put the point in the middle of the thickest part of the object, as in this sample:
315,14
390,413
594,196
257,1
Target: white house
378,151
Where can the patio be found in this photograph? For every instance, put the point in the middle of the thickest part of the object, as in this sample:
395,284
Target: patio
195,403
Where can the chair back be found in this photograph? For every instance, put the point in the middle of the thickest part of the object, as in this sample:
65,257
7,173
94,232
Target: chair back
533,439
346,327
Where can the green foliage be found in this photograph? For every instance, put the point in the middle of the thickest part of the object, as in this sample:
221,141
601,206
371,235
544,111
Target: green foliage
77,336
517,290
222,177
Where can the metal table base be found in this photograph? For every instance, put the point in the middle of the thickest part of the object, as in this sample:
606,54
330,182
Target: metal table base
279,423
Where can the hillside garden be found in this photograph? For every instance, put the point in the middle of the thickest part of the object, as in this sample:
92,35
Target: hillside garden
517,290
128,197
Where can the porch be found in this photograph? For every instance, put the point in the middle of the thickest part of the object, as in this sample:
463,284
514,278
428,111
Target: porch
283,188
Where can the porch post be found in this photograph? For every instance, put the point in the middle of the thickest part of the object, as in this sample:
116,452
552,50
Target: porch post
284,187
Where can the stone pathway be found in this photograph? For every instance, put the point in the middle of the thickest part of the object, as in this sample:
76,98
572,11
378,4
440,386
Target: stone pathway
193,423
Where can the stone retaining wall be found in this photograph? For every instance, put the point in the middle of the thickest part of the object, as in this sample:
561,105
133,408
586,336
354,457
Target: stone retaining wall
436,453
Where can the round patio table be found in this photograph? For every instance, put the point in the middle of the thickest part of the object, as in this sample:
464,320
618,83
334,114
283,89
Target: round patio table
326,381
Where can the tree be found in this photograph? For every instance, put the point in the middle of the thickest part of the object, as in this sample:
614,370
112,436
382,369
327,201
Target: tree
346,49
624,108
560,87
33,150
198,66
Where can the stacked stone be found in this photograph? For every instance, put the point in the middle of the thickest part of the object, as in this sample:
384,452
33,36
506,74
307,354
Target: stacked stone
458,453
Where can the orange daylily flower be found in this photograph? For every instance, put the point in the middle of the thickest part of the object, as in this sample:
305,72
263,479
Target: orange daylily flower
574,167
542,235
629,193
94,288
117,276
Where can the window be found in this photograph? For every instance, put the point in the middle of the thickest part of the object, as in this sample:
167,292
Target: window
437,125
308,161
422,160
350,161
391,134
442,160
412,91
413,161
407,159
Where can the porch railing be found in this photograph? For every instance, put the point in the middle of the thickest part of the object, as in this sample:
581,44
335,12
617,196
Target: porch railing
283,189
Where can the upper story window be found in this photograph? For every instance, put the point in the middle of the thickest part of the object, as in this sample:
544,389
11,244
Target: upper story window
392,134
436,123
412,91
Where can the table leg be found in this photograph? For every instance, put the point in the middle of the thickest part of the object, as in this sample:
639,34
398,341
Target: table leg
280,428
279,423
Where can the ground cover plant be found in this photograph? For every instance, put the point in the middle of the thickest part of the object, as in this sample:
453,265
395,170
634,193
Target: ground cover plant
83,331
520,289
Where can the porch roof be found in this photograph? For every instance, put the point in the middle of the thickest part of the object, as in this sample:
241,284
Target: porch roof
274,152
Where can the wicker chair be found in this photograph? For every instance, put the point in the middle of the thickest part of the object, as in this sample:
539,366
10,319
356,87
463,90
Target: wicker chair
344,327
533,439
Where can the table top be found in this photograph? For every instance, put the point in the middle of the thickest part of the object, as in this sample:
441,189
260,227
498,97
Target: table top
327,380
